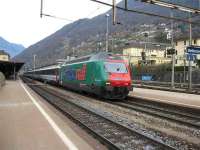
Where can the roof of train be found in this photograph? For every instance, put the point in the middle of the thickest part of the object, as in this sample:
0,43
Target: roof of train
92,57
56,66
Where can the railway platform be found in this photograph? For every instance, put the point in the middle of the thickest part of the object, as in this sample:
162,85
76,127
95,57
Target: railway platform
174,98
29,123
166,87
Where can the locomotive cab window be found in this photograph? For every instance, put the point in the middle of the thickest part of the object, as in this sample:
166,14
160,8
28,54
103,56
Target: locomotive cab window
115,67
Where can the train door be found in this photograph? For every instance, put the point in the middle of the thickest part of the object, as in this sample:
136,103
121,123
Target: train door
57,75
93,75
61,75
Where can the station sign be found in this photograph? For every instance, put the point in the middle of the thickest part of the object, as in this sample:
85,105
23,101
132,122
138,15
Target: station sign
146,77
191,57
193,49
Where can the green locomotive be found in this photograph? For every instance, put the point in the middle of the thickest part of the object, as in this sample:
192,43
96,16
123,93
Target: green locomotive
104,74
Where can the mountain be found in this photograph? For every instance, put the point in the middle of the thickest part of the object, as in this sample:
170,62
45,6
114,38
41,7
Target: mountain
84,34
11,48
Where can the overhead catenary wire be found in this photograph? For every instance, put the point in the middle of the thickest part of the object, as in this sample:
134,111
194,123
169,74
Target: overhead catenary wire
173,6
48,15
78,23
176,6
61,18
148,13
56,17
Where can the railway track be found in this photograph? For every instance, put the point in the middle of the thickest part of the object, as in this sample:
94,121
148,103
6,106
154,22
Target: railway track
181,117
112,134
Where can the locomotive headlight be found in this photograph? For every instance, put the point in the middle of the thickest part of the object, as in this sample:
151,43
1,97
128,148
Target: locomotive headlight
107,83
108,86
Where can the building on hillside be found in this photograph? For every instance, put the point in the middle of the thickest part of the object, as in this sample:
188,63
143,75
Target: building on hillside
145,53
4,56
181,44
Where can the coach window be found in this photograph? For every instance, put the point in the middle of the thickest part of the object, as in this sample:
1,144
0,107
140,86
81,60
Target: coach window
51,71
47,72
195,41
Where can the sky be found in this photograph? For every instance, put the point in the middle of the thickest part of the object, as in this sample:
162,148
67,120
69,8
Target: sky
20,20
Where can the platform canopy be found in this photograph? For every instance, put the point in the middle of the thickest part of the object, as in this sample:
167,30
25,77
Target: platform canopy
10,68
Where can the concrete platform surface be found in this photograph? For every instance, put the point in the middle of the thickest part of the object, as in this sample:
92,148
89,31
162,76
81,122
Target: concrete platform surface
181,99
26,124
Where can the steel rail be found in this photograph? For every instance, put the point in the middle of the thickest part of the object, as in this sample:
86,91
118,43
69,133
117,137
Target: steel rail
160,113
163,109
103,140
116,124
121,126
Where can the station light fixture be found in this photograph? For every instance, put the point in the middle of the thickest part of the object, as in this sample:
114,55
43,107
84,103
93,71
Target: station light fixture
107,83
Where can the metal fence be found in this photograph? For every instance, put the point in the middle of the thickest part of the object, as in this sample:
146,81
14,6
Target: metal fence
164,74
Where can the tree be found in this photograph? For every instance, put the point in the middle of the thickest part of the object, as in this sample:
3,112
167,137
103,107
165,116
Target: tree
198,63
161,37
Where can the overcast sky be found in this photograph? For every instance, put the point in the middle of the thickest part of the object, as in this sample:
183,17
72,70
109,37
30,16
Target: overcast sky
20,21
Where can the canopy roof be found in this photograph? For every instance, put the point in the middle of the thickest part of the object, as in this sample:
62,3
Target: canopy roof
8,68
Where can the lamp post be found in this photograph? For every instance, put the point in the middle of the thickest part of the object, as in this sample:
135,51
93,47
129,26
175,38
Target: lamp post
41,8
184,63
173,55
146,35
34,59
107,19
190,63
14,72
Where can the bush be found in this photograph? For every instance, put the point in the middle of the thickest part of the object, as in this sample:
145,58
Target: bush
155,69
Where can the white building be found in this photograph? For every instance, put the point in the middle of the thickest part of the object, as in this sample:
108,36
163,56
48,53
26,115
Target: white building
4,56
154,54
181,45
